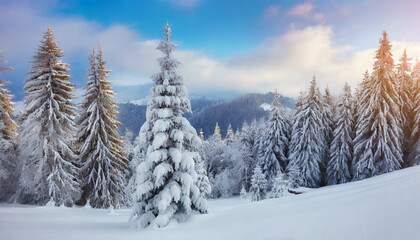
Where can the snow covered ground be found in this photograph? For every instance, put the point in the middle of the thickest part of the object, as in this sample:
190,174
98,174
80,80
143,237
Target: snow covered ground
383,207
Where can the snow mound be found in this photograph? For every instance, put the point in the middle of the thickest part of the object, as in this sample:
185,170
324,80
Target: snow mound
383,207
266,106
139,102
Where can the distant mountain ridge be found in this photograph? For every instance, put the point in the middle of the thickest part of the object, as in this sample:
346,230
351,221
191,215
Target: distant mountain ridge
206,112
242,109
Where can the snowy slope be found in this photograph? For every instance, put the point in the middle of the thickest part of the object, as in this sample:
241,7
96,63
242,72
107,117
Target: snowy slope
266,106
383,207
139,102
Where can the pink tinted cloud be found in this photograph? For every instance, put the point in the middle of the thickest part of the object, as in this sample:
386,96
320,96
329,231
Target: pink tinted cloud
272,12
319,17
301,10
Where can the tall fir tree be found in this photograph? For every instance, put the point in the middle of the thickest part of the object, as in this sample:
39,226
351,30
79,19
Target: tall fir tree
247,139
328,128
414,153
406,95
377,145
102,158
8,135
341,150
360,96
260,129
167,180
308,139
273,152
214,150
49,172
360,90
203,181
415,73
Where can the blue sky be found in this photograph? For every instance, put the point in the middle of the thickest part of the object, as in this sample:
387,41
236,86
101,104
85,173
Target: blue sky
220,28
227,47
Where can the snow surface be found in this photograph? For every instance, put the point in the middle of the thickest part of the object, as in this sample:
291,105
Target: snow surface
266,106
383,207
139,102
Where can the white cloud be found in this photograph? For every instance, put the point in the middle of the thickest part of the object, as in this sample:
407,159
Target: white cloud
286,62
301,10
413,50
306,10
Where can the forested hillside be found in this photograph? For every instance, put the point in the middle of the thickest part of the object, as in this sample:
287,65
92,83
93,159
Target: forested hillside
206,112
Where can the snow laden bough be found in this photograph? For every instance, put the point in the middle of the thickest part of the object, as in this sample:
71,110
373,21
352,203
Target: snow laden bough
169,179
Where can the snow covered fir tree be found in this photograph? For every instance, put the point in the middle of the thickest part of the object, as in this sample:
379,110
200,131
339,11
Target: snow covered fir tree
341,150
280,185
272,154
49,171
102,158
54,154
377,145
230,134
328,111
8,135
414,143
308,139
128,144
167,180
258,185
405,87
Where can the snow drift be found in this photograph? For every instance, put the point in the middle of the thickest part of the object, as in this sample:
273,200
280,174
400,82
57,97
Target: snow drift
382,207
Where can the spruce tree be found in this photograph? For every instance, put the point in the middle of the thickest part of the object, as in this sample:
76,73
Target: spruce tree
243,192
358,96
414,152
377,145
280,185
128,144
328,128
102,158
308,139
49,172
415,74
215,150
341,151
203,181
167,178
229,134
406,95
258,185
217,133
259,133
293,176
272,153
8,135
236,158
247,139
